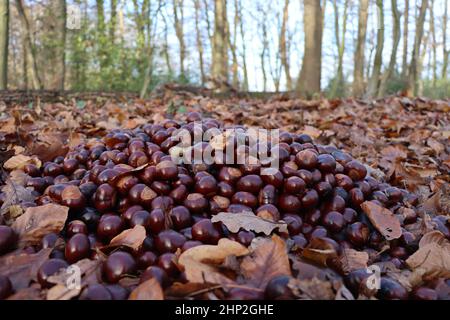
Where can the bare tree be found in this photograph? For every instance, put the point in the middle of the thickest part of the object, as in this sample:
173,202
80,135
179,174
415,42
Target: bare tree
232,42
308,82
358,73
4,41
30,60
413,74
244,47
396,32
405,40
445,52
433,43
198,38
283,46
374,80
340,43
220,44
178,15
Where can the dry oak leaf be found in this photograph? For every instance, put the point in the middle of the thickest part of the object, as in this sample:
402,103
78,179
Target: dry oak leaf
201,263
312,289
131,238
21,268
432,260
148,290
36,222
87,269
383,220
19,161
49,145
268,260
249,222
351,259
319,251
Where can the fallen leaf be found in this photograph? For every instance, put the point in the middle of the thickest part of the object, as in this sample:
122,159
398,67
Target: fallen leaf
49,145
319,251
148,290
383,220
131,238
268,260
312,289
17,162
249,222
36,222
351,259
33,292
200,263
432,260
21,268
190,289
15,195
86,269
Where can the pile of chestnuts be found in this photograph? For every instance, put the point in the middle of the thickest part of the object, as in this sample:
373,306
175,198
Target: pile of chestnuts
129,178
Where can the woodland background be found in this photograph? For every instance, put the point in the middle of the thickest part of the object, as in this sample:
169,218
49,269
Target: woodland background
331,48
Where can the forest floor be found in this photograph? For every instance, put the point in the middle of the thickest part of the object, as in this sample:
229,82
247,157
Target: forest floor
403,141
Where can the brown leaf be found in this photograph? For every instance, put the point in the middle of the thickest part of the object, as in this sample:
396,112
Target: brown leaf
319,251
190,289
148,290
352,259
432,260
312,289
200,263
49,145
307,270
89,273
15,194
249,222
19,161
36,222
21,268
269,259
131,238
383,220
33,292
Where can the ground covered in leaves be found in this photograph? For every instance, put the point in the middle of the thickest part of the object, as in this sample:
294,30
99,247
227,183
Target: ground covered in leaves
404,142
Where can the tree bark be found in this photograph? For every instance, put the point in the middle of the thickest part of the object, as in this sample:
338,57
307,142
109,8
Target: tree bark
308,82
31,66
233,47
358,73
396,33
283,46
178,14
433,43
4,41
445,52
405,40
244,47
113,23
378,61
60,48
413,73
199,41
340,43
220,47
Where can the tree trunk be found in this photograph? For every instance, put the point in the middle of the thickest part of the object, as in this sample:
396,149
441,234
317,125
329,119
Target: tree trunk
405,40
378,61
113,23
31,66
283,46
101,41
60,47
308,82
358,74
433,43
340,43
4,41
445,52
396,32
233,47
244,47
220,47
178,14
413,73
199,41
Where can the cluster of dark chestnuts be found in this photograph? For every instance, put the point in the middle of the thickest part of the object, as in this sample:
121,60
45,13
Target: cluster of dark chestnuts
129,178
